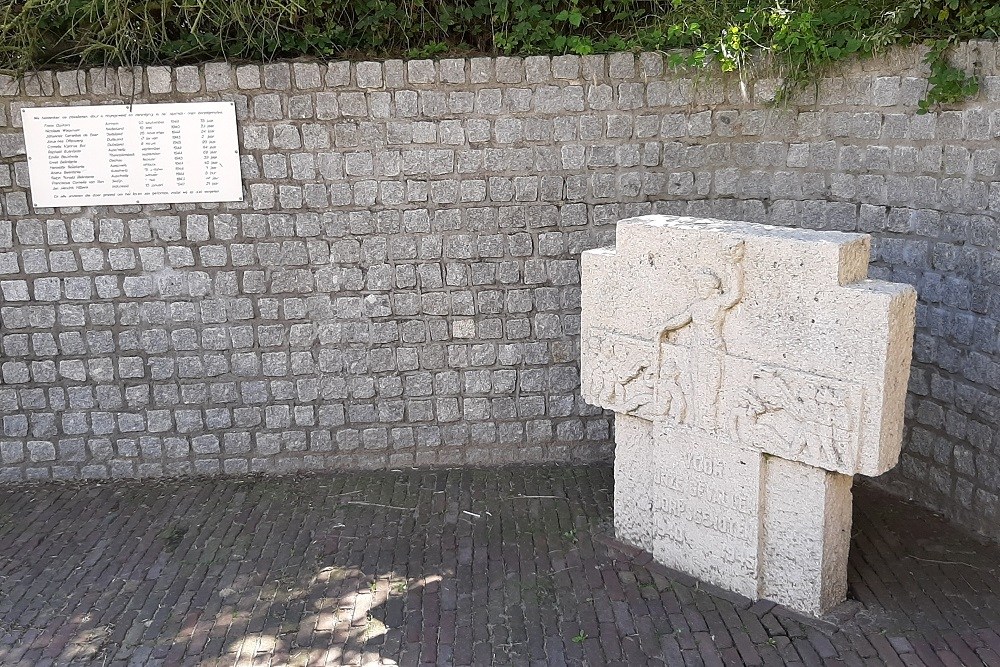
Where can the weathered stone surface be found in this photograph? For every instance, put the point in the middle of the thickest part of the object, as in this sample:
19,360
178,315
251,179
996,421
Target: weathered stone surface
753,370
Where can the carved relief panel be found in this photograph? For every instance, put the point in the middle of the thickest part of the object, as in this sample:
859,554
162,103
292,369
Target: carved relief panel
794,415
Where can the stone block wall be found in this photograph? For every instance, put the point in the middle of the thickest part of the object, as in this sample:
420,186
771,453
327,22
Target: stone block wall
401,284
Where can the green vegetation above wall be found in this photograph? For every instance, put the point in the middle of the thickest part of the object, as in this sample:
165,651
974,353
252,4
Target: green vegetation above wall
804,36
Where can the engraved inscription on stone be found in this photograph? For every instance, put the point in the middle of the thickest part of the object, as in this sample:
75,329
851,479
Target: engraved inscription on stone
143,154
705,505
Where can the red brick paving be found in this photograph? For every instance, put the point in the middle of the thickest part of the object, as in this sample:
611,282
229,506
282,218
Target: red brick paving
464,567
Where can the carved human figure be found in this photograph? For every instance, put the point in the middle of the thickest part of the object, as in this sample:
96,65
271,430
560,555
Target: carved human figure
801,419
602,379
601,386
670,392
633,376
636,389
771,403
707,316
624,378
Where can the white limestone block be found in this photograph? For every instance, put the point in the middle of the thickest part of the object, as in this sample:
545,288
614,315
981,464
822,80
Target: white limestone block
750,367
706,499
633,481
806,524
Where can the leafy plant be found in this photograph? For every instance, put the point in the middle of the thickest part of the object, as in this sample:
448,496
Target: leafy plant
801,37
429,50
948,84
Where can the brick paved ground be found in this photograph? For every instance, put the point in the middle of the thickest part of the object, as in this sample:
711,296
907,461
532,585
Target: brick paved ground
477,567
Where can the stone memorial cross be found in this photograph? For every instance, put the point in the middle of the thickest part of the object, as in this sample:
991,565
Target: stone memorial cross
753,370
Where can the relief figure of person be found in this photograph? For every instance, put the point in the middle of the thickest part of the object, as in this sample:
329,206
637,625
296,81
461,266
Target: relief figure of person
633,376
672,400
623,377
770,403
635,388
706,316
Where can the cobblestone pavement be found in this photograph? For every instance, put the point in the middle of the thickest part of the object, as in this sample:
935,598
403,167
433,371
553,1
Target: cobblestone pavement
510,566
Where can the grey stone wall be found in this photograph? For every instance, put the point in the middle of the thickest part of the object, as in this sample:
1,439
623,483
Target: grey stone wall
401,285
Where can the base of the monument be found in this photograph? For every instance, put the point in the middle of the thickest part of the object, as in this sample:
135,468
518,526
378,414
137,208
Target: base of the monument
757,525
805,537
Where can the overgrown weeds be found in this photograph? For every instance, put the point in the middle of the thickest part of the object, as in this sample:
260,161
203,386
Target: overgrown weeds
804,37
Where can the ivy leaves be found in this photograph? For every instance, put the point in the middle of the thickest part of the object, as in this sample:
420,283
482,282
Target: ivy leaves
948,84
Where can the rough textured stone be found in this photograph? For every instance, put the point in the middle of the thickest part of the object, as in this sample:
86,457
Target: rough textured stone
755,370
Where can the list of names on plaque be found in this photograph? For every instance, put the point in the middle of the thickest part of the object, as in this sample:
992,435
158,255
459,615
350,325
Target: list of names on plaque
143,154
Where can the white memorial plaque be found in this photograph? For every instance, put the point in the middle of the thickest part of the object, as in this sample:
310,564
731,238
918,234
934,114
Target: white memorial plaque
139,154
